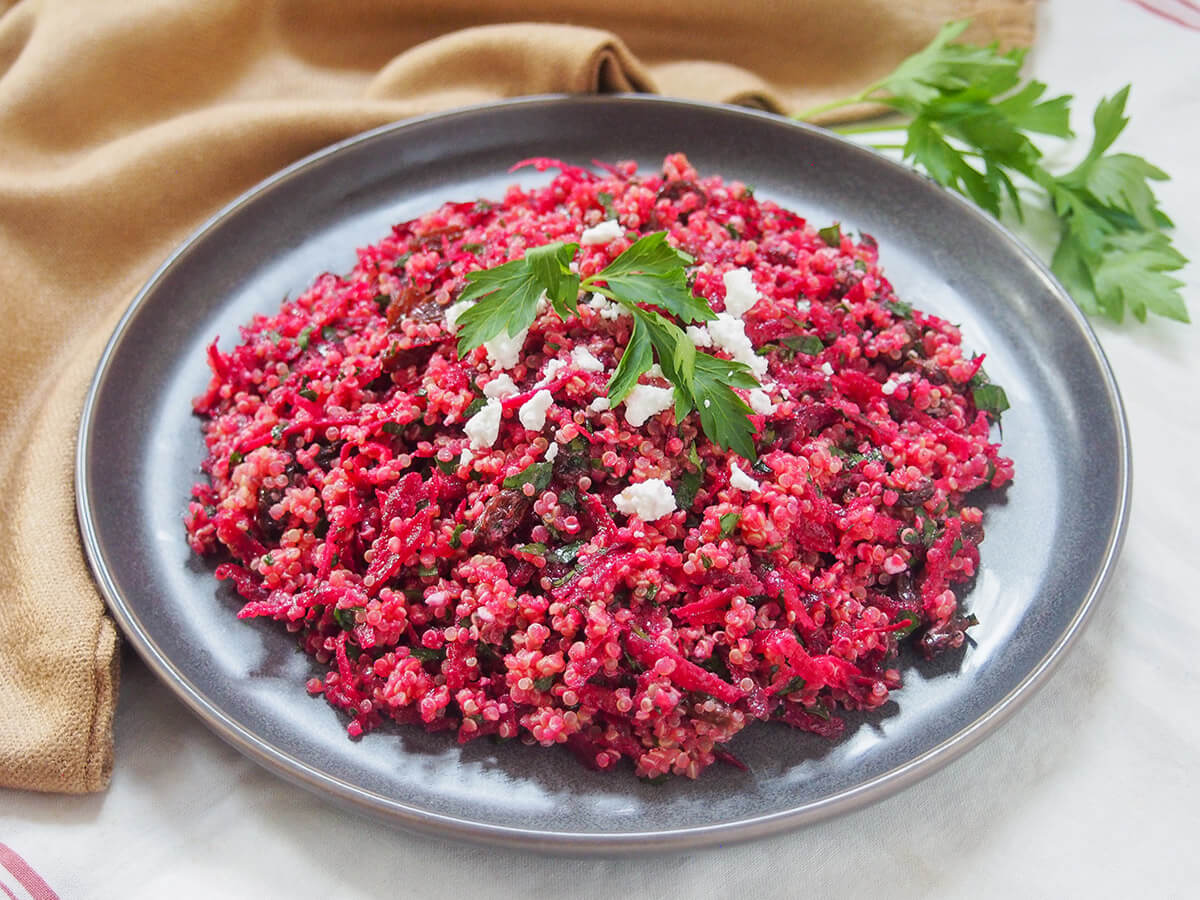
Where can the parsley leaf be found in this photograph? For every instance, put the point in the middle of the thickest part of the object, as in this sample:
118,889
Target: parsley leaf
652,271
636,359
724,416
507,295
538,474
969,121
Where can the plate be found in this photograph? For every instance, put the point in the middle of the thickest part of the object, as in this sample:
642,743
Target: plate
1052,536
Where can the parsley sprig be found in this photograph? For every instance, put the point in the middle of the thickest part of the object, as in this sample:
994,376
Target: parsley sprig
649,280
969,121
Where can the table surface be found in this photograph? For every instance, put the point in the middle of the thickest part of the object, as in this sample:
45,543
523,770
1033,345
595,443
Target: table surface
1090,788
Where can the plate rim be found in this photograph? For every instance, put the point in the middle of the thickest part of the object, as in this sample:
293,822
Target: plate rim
578,843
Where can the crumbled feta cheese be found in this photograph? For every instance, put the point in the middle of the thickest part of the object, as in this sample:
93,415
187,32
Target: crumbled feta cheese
648,500
551,452
606,308
740,480
552,368
760,402
604,233
484,427
826,368
729,334
698,335
740,292
600,404
499,387
645,401
888,387
543,304
453,311
655,371
707,403
533,411
583,359
504,350
466,456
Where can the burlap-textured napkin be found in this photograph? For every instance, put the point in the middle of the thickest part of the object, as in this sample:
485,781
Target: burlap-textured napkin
123,125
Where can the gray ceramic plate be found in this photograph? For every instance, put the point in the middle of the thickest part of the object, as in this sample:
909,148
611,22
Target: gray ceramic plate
1051,538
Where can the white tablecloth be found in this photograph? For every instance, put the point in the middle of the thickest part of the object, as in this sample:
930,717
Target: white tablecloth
1093,788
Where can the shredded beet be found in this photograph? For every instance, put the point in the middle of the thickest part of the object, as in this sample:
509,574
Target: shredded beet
516,583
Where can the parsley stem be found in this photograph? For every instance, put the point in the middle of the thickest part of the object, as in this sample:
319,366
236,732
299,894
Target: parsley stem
869,128
863,96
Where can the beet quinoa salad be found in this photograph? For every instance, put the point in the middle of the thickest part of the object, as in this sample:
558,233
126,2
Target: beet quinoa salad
625,462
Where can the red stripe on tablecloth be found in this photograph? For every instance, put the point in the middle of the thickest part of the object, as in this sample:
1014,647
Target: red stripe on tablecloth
23,872
11,895
1168,15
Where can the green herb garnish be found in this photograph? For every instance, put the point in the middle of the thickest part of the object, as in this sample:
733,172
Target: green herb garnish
914,622
650,272
426,654
969,121
990,398
346,618
729,522
565,554
809,345
303,336
538,474
832,236
456,535
795,683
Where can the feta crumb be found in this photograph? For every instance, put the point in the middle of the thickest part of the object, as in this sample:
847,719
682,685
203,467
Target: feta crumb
888,387
453,311
606,308
504,350
543,304
740,292
826,368
707,403
484,427
499,387
655,371
645,401
551,452
649,500
740,480
760,402
465,457
552,368
533,411
604,233
600,404
729,334
698,335
583,359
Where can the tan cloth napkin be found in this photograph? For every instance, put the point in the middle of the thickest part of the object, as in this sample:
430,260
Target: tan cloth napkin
123,125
